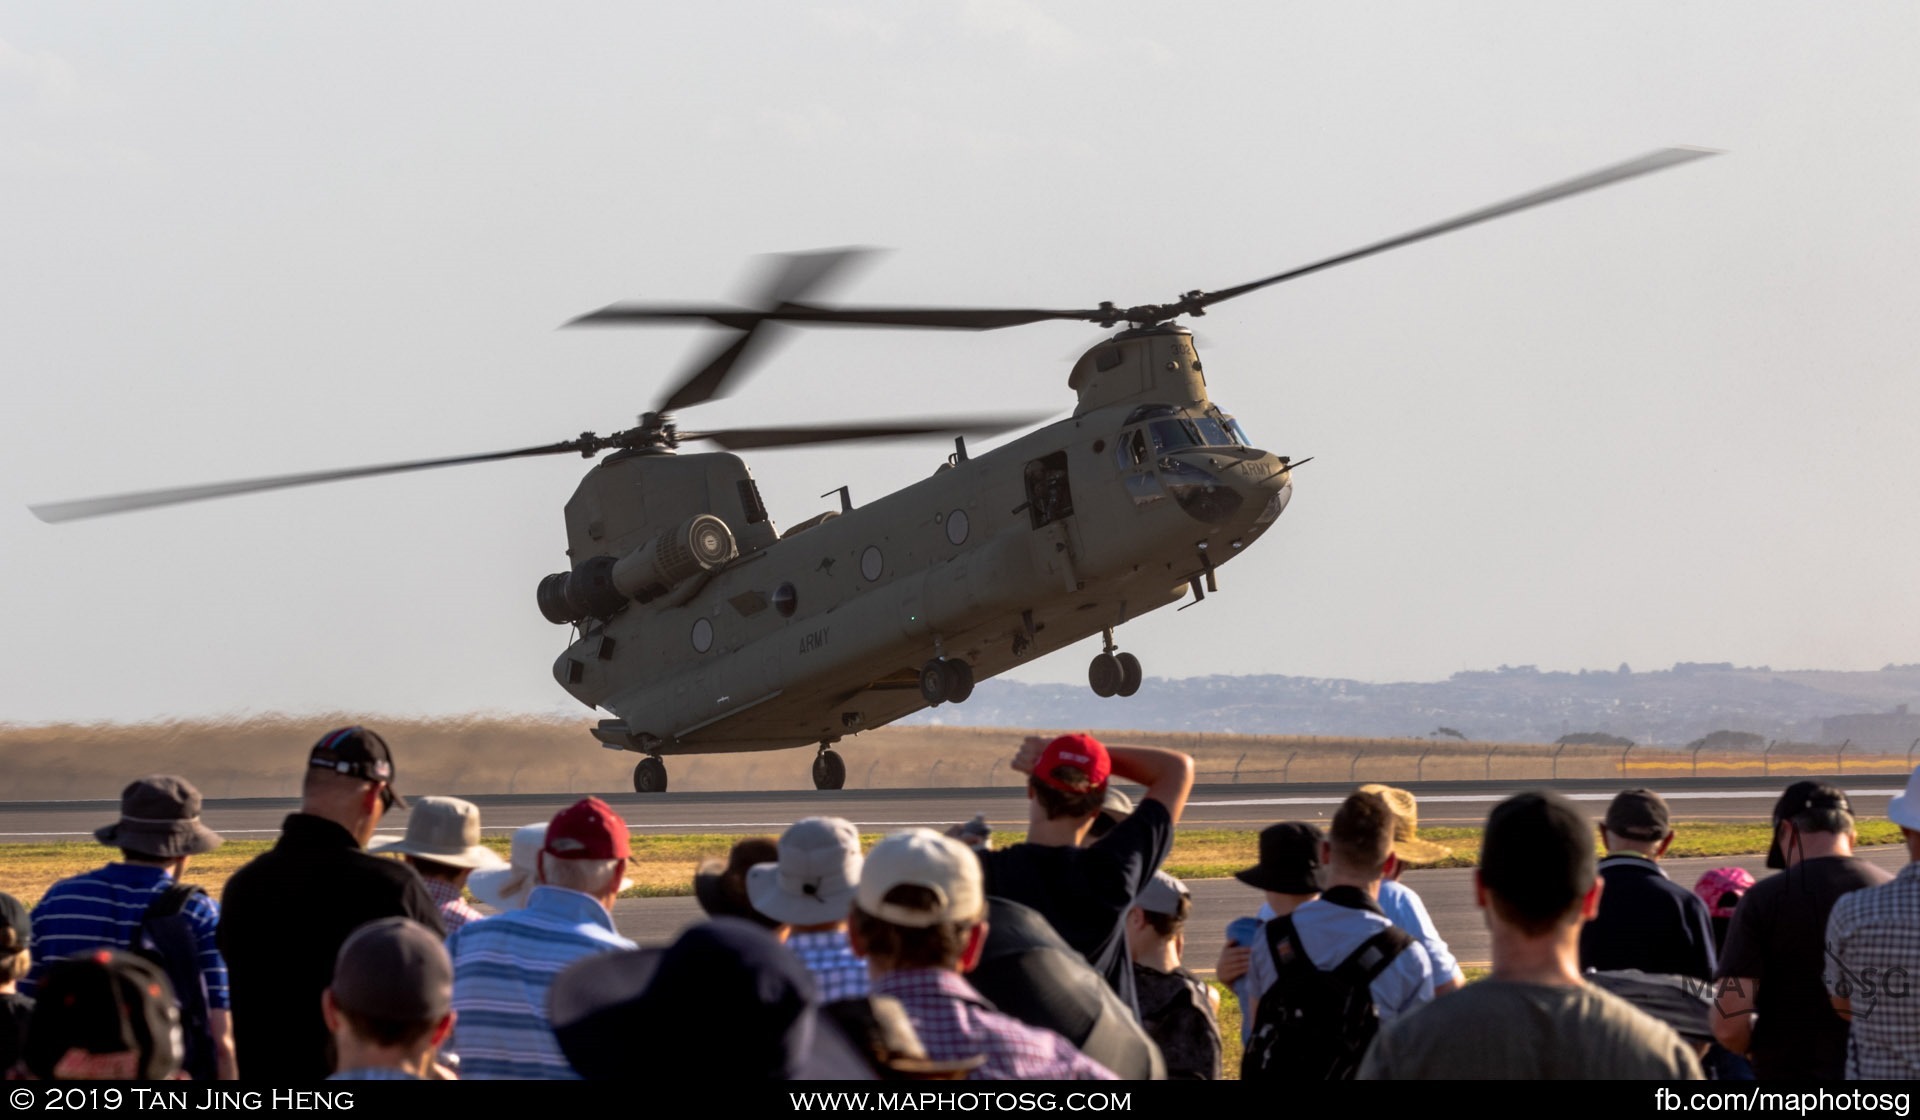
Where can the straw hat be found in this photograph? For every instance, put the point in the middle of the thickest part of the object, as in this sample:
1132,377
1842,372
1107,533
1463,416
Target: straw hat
1406,826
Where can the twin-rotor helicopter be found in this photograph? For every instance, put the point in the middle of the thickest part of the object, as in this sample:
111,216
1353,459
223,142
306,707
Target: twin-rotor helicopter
704,629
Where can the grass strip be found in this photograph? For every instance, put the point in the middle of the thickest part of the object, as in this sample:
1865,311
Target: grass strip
663,866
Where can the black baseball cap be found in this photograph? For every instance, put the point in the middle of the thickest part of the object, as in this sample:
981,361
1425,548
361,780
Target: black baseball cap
1537,854
361,753
105,1004
394,969
1801,797
1289,860
1638,814
14,917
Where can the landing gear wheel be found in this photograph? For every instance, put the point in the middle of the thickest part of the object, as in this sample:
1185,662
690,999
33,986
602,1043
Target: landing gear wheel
829,770
1104,675
1129,674
650,776
936,683
959,681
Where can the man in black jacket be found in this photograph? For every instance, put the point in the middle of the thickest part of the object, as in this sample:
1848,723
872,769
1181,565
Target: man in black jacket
1647,921
285,915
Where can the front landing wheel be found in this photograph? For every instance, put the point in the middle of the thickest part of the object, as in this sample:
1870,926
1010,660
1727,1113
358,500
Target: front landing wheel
650,776
829,770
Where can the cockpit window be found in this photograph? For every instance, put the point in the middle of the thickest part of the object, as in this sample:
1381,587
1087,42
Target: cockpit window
1172,435
1151,412
1239,433
1212,432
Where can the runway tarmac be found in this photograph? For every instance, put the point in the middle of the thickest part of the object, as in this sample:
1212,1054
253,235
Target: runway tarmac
1448,893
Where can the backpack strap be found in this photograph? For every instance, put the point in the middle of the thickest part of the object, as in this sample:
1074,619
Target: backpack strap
1372,957
170,900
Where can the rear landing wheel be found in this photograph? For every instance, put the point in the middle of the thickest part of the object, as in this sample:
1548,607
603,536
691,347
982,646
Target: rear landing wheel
650,776
959,681
1103,674
936,683
829,770
1130,676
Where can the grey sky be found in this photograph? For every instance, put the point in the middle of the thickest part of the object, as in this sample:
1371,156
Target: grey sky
1669,421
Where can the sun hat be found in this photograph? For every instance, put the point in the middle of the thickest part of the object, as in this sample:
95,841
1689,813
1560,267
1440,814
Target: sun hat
1289,860
507,888
160,817
1406,826
444,830
813,881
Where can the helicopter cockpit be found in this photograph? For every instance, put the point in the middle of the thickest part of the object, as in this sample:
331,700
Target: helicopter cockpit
1147,453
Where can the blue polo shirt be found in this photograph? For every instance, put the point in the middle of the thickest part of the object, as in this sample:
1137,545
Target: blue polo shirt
102,910
503,968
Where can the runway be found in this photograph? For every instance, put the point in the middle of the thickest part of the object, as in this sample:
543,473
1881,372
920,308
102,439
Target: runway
1238,807
1448,893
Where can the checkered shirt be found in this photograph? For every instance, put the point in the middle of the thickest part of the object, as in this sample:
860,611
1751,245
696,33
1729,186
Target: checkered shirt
454,909
1873,959
829,956
955,1022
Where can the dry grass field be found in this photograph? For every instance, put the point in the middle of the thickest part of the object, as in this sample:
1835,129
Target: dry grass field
261,756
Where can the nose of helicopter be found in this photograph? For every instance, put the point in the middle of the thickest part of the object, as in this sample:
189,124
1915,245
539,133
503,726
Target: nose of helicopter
1247,489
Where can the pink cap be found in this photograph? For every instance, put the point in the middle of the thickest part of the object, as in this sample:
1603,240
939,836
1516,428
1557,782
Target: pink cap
1720,882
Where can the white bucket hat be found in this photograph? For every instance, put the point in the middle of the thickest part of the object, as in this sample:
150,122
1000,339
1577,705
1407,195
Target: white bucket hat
1904,810
815,879
507,888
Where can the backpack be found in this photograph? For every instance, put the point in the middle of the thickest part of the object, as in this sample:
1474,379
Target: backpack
167,938
1315,1024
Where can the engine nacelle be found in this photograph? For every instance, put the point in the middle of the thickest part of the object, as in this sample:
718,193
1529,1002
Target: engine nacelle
601,585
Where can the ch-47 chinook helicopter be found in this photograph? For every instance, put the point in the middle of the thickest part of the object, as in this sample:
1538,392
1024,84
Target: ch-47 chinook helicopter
703,630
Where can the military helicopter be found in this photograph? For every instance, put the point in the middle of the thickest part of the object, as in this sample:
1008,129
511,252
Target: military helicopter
702,629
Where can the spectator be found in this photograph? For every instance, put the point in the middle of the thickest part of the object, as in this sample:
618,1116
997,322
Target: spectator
104,1015
504,966
1873,959
721,888
1771,1001
443,845
1398,901
1178,1008
1115,807
1290,875
390,1004
143,898
507,888
1646,921
976,833
724,1004
878,1026
917,919
1534,1017
1085,892
16,934
1721,890
287,912
809,892
1349,941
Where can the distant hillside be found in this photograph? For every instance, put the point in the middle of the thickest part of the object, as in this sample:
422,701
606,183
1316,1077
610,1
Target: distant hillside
1509,704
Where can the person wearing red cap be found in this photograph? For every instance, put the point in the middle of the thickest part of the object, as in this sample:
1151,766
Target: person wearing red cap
1085,892
504,966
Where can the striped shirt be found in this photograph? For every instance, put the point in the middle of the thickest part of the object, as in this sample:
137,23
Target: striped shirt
455,911
102,910
1873,957
503,968
837,973
955,1022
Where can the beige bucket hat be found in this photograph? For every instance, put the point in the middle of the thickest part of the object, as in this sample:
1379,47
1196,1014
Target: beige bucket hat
444,830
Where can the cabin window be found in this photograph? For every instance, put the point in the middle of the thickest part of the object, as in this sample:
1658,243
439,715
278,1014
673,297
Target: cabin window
1049,497
702,636
785,600
957,527
1172,435
1132,449
872,564
1144,489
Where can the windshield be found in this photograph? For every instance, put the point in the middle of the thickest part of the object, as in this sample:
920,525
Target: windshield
1172,435
1212,432
1239,433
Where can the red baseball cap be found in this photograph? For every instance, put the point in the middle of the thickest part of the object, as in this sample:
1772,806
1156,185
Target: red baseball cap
1081,751
587,829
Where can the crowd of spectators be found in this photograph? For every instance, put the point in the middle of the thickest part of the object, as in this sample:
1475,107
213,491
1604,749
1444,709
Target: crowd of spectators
939,955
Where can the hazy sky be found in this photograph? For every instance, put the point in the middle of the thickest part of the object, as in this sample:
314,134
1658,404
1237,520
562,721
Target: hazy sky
1674,420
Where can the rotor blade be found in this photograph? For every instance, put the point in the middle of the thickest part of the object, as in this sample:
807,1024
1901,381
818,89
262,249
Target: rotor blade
1652,161
743,439
938,318
790,276
52,512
